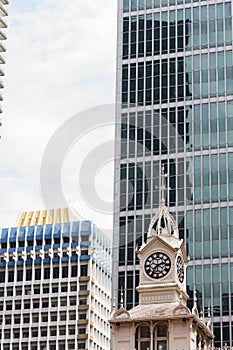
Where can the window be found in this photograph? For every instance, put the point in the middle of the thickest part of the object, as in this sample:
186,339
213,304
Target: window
72,315
53,332
53,317
25,333
11,276
46,273
62,331
16,334
9,292
19,275
73,288
44,317
84,252
81,330
45,303
37,274
62,316
34,332
74,271
26,319
30,243
56,272
57,240
48,241
7,334
43,332
35,318
37,290
17,320
83,270
2,276
28,275
54,302
64,271
142,338
17,305
66,239
73,301
82,315
64,288
63,302
8,306
19,291
45,289
39,242
8,320
71,330
36,304
83,286
27,304
55,289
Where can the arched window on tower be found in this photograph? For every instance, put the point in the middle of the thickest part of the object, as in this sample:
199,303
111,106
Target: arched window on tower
161,337
142,337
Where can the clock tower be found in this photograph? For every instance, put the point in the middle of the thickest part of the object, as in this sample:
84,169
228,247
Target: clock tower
163,260
161,321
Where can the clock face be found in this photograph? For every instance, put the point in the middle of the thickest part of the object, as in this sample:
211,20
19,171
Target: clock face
157,265
180,268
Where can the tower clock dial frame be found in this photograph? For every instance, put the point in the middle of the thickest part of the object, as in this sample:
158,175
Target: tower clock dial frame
157,265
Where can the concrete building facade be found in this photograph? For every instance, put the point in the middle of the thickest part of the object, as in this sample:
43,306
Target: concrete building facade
55,286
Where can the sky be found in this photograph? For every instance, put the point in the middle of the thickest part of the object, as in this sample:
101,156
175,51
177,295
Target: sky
60,63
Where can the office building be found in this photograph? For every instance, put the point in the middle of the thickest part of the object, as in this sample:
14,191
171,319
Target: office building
3,25
55,284
175,107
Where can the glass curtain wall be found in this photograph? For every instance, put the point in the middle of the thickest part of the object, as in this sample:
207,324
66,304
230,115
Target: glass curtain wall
175,107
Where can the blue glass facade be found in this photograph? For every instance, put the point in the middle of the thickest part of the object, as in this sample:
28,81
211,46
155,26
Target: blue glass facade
175,107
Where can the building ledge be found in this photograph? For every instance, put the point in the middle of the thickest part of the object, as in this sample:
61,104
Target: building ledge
3,11
3,24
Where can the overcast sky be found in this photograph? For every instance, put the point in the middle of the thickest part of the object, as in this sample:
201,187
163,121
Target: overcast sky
60,61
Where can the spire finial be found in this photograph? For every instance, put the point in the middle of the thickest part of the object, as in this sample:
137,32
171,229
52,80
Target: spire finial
209,323
163,186
122,298
195,309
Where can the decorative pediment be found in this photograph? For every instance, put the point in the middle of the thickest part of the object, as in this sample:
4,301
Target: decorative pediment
121,314
181,310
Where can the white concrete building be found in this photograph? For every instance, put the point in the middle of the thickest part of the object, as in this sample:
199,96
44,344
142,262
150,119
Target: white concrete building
55,284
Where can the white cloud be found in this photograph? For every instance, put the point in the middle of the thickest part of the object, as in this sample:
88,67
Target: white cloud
60,60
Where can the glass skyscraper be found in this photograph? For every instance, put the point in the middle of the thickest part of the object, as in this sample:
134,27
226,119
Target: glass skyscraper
175,107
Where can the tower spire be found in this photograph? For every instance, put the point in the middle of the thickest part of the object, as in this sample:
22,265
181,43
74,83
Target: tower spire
163,187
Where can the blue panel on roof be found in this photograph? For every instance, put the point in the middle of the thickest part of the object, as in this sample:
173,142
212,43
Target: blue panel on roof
48,231
65,258
74,258
21,234
4,235
30,233
13,234
57,231
86,227
66,229
39,232
75,231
